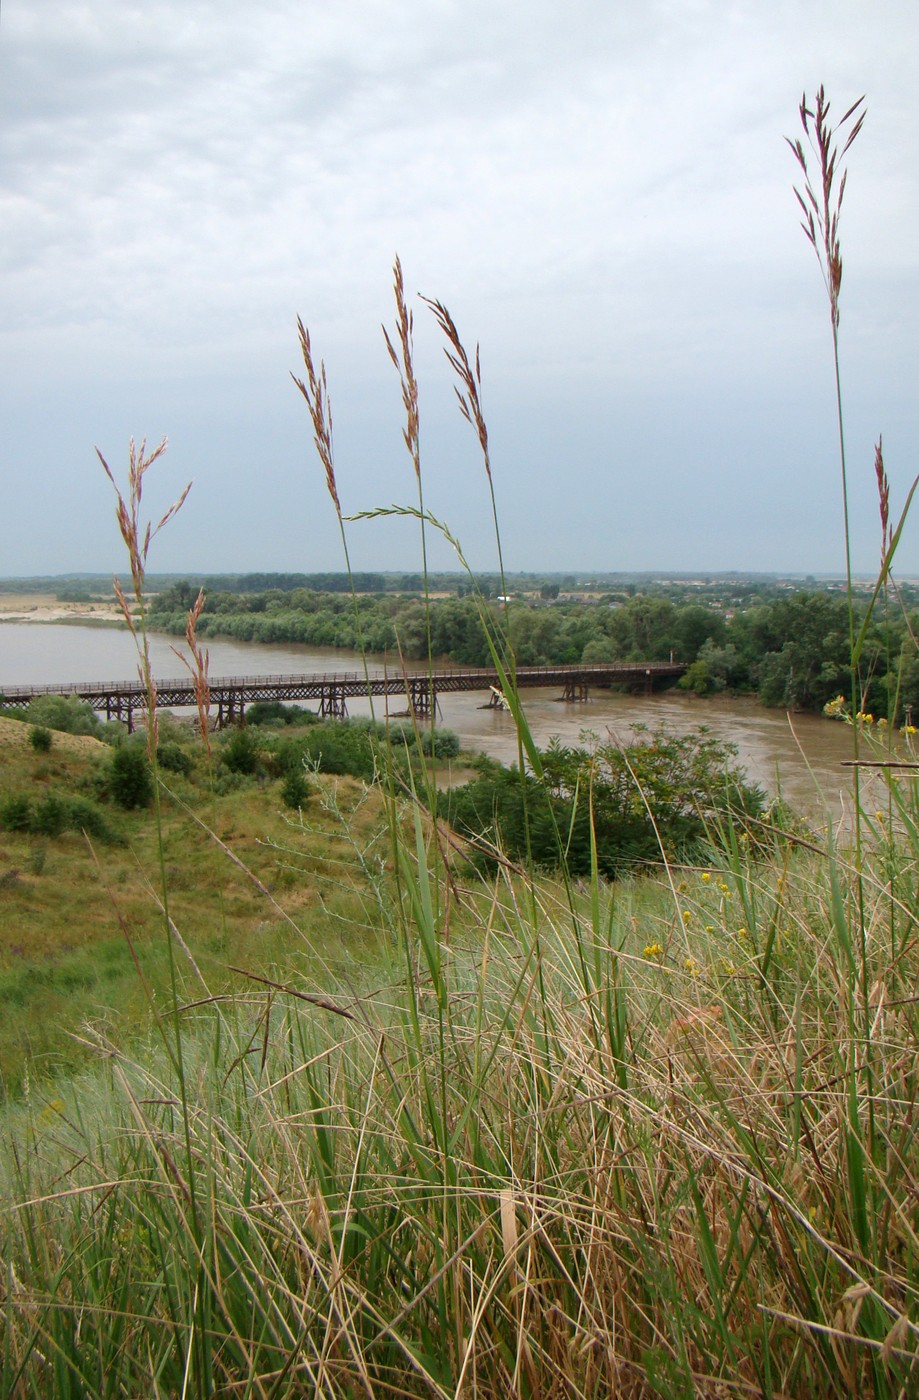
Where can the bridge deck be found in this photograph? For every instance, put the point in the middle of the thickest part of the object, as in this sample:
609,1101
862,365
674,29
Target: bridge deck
244,690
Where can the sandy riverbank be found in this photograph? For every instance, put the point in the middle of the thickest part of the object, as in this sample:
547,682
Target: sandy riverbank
44,607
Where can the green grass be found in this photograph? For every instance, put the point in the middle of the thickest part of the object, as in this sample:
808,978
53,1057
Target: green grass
77,921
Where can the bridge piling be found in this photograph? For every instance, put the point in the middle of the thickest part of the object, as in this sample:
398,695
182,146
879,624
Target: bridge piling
332,704
422,699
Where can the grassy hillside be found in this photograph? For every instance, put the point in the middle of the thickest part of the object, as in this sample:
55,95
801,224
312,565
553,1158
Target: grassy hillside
79,917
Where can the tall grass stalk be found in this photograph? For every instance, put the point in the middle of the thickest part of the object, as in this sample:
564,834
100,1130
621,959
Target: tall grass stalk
138,537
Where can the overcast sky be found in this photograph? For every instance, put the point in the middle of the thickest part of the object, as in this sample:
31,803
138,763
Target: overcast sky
598,190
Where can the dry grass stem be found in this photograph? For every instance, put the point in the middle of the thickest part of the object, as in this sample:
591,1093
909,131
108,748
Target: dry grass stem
316,393
198,668
883,498
405,368
821,205
136,536
469,395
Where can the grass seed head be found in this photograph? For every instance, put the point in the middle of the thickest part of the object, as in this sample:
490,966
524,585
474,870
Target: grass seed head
315,391
822,196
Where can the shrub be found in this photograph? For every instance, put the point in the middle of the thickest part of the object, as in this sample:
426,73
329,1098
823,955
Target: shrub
296,789
442,743
85,815
49,816
276,712
65,713
129,779
40,738
54,814
340,746
240,752
675,791
174,758
16,812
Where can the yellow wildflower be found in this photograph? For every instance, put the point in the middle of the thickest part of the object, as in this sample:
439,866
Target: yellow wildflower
691,966
653,950
686,916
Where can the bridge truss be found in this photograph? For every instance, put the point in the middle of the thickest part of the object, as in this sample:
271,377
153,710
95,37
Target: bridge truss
120,700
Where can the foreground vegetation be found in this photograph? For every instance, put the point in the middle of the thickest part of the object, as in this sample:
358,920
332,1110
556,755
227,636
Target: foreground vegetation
561,1137
649,1138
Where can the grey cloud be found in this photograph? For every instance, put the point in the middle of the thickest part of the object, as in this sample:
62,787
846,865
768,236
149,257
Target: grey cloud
600,192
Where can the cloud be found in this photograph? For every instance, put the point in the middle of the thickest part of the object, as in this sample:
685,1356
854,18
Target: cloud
600,192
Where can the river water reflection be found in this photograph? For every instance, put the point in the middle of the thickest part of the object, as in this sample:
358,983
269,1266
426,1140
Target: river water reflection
804,756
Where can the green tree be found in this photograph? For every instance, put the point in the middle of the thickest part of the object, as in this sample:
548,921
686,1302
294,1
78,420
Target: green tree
804,650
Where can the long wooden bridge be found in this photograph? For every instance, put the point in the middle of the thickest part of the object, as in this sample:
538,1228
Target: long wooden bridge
230,695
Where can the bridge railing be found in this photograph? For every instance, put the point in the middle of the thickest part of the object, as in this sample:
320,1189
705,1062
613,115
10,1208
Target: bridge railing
487,675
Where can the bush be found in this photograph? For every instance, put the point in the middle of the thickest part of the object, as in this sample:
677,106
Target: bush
174,758
240,752
276,712
676,791
65,713
54,814
442,743
49,816
40,738
296,789
16,812
128,778
85,815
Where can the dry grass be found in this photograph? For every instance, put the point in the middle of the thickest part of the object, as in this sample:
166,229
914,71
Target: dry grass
14,736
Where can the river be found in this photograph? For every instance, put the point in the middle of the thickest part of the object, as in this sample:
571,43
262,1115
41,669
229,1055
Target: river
803,755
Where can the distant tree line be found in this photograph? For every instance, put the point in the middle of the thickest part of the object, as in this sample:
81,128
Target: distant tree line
182,592
791,650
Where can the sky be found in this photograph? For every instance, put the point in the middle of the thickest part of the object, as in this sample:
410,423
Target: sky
598,191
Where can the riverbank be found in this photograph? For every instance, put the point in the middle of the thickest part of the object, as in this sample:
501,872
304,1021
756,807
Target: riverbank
44,607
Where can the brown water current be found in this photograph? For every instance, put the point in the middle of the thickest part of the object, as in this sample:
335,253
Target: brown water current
802,756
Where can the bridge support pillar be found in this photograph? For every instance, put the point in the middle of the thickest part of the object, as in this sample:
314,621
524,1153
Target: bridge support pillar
422,698
332,703
575,692
231,708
